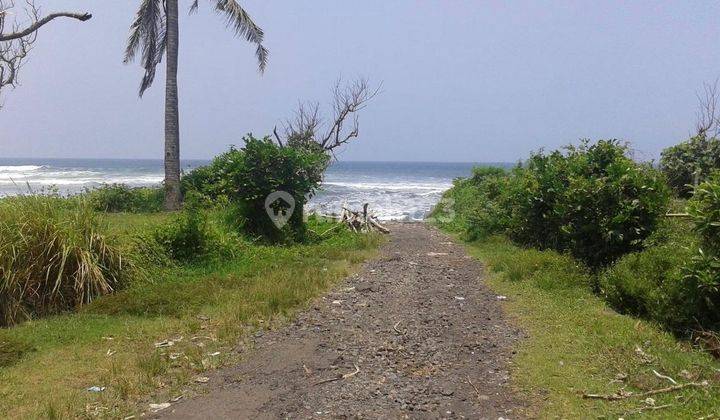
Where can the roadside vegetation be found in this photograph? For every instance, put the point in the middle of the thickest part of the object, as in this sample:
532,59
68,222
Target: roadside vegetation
576,345
141,304
106,301
572,235
151,340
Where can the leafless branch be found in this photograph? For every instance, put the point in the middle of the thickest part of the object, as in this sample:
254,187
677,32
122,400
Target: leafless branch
708,118
16,44
308,125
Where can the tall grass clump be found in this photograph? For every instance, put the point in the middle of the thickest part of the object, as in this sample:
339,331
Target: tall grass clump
53,257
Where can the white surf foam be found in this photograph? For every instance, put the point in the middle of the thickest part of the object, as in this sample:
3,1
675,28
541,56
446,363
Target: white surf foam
20,168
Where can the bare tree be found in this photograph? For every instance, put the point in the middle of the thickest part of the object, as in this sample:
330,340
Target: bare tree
16,40
309,126
708,117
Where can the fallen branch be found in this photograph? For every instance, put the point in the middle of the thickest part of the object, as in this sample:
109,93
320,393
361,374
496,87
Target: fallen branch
395,327
622,394
339,377
659,375
477,391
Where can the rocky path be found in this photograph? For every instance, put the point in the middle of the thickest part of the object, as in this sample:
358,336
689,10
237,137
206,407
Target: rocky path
415,334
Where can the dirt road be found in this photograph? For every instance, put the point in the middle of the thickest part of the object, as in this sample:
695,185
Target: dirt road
415,333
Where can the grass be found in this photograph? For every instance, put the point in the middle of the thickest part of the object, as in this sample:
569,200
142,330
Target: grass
54,257
577,344
47,364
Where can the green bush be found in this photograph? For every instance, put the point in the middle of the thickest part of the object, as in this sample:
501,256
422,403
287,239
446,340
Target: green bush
189,237
472,205
54,257
246,177
116,198
704,270
697,157
531,200
652,283
593,201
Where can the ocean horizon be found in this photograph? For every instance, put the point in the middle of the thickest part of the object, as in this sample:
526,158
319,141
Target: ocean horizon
395,190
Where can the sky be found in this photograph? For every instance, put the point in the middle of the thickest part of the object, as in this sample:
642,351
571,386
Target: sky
481,81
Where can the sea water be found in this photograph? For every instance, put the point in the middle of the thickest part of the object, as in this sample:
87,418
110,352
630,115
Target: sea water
393,190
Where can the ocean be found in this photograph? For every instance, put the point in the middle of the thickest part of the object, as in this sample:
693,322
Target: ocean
394,190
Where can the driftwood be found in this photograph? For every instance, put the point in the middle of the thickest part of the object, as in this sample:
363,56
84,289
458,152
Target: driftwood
361,221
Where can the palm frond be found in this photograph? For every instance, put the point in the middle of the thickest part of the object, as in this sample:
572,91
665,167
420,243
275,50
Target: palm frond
244,27
194,6
148,35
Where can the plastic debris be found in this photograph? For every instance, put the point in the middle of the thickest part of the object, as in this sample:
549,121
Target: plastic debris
501,297
96,389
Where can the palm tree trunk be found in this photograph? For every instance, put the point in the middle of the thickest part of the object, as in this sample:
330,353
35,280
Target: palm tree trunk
172,114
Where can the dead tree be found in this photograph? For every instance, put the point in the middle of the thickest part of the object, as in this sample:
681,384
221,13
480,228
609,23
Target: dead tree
708,114
16,39
309,127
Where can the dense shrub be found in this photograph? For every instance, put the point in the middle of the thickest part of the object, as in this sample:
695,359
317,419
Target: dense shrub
680,163
115,198
246,177
593,201
653,284
53,257
704,270
189,236
472,205
532,198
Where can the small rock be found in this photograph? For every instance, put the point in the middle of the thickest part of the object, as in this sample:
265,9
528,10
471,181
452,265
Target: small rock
364,287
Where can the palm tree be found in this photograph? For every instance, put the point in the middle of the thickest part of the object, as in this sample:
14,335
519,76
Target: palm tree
155,33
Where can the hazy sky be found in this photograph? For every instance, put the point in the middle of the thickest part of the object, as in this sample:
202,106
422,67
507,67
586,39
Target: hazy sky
463,80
